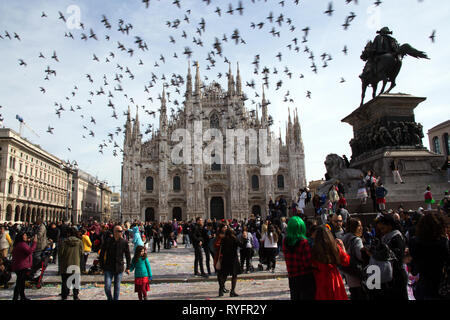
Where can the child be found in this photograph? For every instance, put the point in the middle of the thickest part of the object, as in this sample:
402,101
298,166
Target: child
381,193
429,198
142,274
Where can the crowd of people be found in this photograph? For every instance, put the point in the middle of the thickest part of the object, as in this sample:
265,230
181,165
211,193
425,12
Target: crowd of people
321,253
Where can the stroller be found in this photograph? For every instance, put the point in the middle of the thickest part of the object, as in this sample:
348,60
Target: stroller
5,272
95,268
40,264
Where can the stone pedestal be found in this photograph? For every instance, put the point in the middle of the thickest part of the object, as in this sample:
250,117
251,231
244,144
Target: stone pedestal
385,129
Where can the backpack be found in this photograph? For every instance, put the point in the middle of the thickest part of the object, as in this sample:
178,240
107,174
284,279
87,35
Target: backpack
355,267
383,258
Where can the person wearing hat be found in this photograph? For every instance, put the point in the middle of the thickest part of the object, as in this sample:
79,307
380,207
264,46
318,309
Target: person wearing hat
384,43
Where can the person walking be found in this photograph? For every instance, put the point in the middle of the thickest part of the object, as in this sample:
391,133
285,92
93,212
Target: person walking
333,196
429,250
157,236
270,240
246,240
186,232
207,235
428,198
167,231
371,183
142,272
381,193
218,254
395,240
197,241
297,255
111,261
22,261
327,254
395,172
53,233
353,245
87,247
302,200
362,190
137,239
70,255
229,263
41,232
5,242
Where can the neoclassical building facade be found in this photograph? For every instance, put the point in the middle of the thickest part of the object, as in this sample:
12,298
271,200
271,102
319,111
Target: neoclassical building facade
157,187
32,182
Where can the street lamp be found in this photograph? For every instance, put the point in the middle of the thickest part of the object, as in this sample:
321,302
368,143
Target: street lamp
69,167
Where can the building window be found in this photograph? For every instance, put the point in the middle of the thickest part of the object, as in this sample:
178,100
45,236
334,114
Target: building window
214,121
176,183
255,182
149,184
10,185
436,145
215,166
446,143
280,181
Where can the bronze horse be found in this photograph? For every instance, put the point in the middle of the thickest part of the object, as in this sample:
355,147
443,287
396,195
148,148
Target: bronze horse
385,67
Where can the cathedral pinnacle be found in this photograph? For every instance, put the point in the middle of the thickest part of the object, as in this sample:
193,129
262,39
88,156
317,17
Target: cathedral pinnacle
238,82
189,82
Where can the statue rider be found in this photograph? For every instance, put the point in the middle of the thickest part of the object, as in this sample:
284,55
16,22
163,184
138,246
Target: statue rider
382,44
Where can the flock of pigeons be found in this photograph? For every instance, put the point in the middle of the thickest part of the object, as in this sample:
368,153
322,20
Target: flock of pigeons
113,85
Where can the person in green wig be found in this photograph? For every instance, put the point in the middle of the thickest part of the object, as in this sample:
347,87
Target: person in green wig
297,255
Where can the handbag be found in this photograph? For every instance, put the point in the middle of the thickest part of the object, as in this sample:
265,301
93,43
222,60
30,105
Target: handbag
219,260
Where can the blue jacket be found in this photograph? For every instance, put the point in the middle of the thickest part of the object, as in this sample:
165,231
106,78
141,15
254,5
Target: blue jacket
137,240
142,268
380,192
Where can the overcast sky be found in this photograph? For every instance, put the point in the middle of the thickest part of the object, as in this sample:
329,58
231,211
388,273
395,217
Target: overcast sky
412,21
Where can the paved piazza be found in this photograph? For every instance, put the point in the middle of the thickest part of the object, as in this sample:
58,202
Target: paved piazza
173,279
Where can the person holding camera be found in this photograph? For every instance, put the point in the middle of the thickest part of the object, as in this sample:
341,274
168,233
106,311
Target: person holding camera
22,261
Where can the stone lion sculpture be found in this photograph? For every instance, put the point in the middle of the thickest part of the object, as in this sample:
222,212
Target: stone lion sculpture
337,170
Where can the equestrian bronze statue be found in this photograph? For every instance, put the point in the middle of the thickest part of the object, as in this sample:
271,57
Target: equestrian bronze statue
383,58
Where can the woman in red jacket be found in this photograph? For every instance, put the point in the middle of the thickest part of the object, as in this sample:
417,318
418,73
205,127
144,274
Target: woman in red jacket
22,259
327,253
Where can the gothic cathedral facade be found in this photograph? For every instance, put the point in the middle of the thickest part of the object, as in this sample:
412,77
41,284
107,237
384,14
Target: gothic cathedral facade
154,188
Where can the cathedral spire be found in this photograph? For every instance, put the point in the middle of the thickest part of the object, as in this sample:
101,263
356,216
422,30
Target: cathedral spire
197,82
264,109
230,82
189,82
136,131
163,100
238,82
163,114
257,117
128,127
